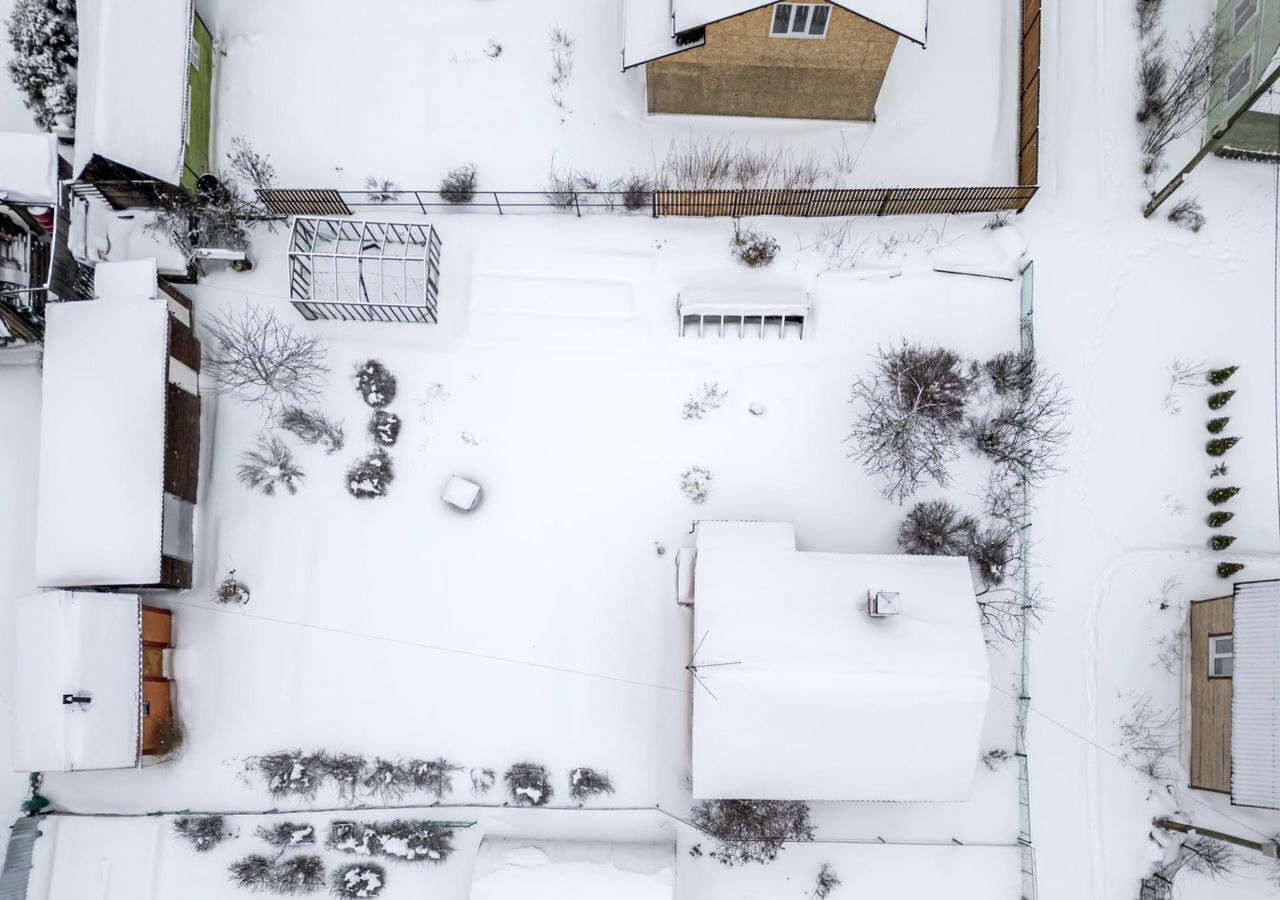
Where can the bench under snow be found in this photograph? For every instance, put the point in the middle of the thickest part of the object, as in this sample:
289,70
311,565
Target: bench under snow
756,308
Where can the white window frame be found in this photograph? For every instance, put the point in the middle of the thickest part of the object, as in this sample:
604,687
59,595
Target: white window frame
1216,655
1245,61
193,52
792,9
1237,23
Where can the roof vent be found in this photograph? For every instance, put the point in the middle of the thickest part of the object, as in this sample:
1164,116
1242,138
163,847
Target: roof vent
882,603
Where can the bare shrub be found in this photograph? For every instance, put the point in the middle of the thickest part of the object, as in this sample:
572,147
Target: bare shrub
231,590
269,466
912,407
408,840
752,830
936,528
312,427
459,185
991,552
256,358
529,784
695,483
1149,737
291,773
561,64
346,771
482,781
201,832
376,384
381,190
636,190
433,776
387,780
1148,15
1187,213
995,759
842,246
493,49
287,834
250,166
712,163
298,875
1197,853
217,218
370,476
704,400
827,881
586,783
253,873
1011,374
997,221
752,247
359,880
1025,433
384,428
1175,87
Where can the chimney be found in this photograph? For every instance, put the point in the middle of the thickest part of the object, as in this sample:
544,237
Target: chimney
882,603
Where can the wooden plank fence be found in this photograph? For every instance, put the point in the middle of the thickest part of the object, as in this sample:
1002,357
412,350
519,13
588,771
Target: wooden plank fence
304,202
843,201
1029,96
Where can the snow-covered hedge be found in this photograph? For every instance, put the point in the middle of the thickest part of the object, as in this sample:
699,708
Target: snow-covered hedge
43,36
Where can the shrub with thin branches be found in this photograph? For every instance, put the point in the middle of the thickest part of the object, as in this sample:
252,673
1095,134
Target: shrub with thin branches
370,476
1187,213
695,483
529,784
827,882
752,830
312,427
375,383
586,783
459,185
752,247
231,590
359,880
269,466
346,770
256,358
253,873
936,528
432,776
298,875
287,834
250,166
384,428
381,190
387,780
201,832
291,773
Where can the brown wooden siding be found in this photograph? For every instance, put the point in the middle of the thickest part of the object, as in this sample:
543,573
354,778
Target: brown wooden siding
158,694
175,574
183,345
181,444
742,70
157,626
1029,99
124,187
1210,699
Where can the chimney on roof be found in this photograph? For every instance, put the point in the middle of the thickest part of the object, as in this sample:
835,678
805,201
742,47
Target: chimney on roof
881,604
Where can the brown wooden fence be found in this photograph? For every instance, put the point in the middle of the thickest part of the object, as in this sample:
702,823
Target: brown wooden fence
1029,97
304,202
843,201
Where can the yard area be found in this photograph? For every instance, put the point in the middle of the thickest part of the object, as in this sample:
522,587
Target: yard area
309,83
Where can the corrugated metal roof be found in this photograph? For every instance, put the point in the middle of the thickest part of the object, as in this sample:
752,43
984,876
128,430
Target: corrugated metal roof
17,861
1255,703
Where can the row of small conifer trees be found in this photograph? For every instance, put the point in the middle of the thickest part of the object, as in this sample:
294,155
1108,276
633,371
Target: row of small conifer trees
1217,447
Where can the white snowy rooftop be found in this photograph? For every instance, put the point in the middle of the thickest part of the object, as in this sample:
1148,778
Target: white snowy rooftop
89,645
512,869
131,101
28,168
98,520
1255,696
650,26
809,698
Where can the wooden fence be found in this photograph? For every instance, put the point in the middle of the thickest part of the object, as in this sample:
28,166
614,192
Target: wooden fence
304,202
1029,96
843,201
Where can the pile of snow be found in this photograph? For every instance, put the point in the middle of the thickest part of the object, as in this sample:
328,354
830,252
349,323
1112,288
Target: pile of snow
510,869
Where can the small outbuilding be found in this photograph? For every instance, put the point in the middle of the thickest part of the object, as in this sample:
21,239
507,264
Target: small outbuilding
1235,689
817,60
91,685
830,676
119,436
517,869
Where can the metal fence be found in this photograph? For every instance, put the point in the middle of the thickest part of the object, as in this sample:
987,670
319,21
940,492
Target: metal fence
1029,884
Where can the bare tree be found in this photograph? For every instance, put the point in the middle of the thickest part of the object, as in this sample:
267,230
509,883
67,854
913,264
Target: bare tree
250,166
912,410
752,830
256,358
936,528
1201,854
1175,87
1025,433
1149,737
827,882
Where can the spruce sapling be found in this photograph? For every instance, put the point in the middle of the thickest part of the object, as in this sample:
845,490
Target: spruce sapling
1215,426
1217,377
1219,399
1219,496
1221,541
1220,446
1219,518
1226,570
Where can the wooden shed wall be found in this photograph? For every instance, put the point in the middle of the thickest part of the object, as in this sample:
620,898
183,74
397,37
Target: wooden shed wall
742,70
1210,699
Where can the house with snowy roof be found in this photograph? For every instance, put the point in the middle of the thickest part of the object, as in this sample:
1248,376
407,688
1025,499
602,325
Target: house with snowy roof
92,687
1235,689
817,60
831,676
144,97
119,435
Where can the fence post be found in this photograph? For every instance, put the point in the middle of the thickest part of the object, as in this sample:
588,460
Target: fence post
498,203
421,206
575,204
653,203
884,202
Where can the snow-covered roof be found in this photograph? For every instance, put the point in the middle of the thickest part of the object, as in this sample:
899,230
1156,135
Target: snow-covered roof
131,101
89,645
650,26
102,433
804,696
28,168
1255,696
512,869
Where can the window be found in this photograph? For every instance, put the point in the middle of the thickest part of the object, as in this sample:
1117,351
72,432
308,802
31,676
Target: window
1222,655
1245,11
193,53
800,20
146,709
1240,76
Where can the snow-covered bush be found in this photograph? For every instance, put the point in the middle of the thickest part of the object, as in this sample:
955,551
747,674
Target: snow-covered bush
529,784
408,840
482,781
384,427
701,402
381,190
370,476
990,552
312,427
1220,399
1025,431
936,528
459,185
359,880
586,783
1216,425
254,873
753,247
752,830
256,358
269,466
1219,496
219,216
387,779
44,38
298,875
376,384
346,770
1221,541
1220,446
231,590
291,773
636,190
169,736
827,881
1217,377
1227,569
249,166
994,759
432,776
695,483
287,834
1218,518
1010,373
1187,213
202,832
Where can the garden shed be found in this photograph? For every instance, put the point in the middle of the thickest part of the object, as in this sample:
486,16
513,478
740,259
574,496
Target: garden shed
516,869
145,88
360,271
91,681
830,676
119,435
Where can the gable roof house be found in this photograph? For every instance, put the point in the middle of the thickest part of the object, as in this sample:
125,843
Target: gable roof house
119,436
830,676
91,684
144,92
1235,694
823,60
1243,118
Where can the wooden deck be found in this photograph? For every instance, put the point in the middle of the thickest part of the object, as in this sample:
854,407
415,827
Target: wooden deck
1210,699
